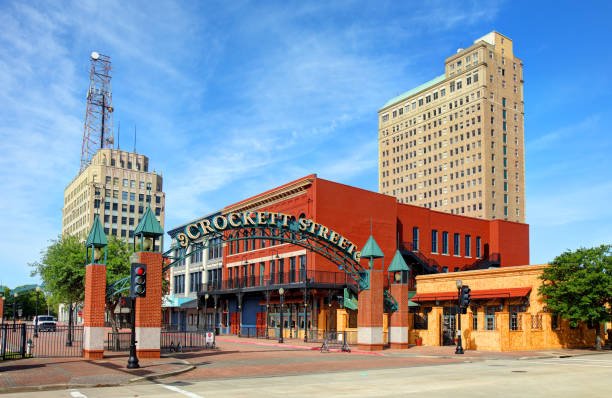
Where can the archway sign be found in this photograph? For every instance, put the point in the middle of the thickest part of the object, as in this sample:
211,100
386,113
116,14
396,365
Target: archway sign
274,226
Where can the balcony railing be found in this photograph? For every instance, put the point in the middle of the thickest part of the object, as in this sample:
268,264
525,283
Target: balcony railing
300,278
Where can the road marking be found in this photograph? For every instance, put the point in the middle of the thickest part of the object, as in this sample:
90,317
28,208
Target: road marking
77,394
572,363
181,391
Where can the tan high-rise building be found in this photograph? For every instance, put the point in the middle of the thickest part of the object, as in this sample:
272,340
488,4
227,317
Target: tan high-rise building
456,143
124,185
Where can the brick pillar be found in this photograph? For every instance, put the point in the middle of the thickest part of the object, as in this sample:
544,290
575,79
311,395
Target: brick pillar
370,315
398,329
148,309
93,311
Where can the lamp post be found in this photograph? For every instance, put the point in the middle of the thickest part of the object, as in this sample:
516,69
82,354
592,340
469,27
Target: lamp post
459,349
281,293
14,309
36,319
206,296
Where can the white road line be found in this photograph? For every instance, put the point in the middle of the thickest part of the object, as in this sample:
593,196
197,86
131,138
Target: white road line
77,394
573,363
181,391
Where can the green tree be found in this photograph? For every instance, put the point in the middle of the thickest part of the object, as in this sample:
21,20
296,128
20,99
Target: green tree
117,267
578,285
62,269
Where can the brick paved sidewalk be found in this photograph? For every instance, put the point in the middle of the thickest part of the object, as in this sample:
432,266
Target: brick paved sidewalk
51,373
416,351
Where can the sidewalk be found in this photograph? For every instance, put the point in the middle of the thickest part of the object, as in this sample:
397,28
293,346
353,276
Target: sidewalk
60,373
418,351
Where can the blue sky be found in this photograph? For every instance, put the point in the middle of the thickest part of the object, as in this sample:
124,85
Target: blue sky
233,98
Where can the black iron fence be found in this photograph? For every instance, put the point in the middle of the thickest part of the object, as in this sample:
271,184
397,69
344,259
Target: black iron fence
298,277
26,341
118,341
183,341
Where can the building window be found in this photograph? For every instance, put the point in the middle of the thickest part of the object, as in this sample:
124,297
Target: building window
303,267
434,241
456,243
490,318
195,280
468,244
478,245
515,318
474,319
415,238
554,321
444,242
179,284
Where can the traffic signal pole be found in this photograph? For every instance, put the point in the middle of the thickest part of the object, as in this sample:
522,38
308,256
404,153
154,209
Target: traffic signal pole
133,359
459,349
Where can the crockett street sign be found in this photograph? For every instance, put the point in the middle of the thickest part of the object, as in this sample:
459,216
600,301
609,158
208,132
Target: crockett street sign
265,220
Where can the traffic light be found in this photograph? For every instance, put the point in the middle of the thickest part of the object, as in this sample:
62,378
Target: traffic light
464,298
138,280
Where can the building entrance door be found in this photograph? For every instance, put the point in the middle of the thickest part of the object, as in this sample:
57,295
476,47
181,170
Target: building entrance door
449,325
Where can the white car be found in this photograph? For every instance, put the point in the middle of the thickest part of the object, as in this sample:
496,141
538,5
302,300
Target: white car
46,323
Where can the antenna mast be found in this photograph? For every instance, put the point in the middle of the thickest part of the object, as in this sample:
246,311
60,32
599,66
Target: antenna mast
98,128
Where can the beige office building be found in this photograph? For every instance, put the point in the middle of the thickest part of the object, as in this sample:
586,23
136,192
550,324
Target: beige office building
456,143
120,181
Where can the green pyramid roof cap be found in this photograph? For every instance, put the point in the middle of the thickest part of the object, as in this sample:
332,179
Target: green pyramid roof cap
398,263
371,249
97,237
148,225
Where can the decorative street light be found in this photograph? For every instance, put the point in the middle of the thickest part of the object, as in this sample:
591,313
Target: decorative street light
459,349
36,319
14,309
281,292
206,296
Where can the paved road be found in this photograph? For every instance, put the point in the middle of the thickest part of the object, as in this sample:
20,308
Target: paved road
584,376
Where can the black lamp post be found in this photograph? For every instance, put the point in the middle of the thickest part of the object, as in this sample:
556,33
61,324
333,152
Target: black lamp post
281,292
206,296
459,349
14,309
36,318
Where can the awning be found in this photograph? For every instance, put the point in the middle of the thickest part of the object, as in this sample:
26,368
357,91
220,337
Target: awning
172,301
476,294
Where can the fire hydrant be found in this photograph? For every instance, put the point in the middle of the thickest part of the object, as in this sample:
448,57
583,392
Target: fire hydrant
29,347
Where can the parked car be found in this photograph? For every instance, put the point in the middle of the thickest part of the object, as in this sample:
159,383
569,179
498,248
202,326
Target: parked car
46,323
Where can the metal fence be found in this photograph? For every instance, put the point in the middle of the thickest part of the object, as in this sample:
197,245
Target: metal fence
118,341
26,341
183,341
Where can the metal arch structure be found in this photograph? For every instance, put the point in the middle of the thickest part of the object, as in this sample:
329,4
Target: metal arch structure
288,231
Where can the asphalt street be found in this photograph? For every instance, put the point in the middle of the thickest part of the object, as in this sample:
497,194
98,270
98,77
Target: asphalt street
581,376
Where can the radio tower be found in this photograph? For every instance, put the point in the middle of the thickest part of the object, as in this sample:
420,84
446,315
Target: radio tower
98,129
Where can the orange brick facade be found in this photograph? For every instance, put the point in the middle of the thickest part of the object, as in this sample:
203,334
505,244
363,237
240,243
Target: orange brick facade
94,310
148,315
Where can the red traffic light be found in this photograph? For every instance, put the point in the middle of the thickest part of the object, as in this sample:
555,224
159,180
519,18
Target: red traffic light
140,271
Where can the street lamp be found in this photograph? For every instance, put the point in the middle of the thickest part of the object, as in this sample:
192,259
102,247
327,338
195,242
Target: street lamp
14,309
206,296
281,292
459,349
36,319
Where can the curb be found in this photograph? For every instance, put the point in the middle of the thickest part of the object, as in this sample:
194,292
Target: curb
162,375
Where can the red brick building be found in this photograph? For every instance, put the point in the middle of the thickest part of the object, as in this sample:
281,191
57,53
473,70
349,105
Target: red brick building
257,266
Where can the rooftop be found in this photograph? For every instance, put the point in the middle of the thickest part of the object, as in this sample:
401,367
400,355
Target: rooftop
414,91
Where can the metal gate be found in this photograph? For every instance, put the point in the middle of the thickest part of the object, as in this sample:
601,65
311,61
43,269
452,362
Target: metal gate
25,341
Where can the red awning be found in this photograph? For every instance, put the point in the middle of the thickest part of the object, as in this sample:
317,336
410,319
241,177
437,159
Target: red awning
476,294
